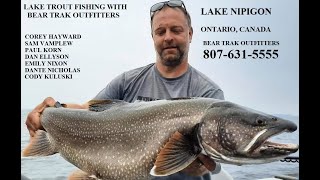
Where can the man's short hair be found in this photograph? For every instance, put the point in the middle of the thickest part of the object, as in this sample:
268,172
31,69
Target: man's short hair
185,12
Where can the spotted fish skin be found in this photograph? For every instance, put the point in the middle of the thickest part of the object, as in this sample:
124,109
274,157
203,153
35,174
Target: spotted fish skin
122,140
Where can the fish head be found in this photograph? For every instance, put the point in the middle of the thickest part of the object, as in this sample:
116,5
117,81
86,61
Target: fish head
233,134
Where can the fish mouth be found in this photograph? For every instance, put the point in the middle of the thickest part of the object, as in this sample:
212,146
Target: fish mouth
261,146
259,149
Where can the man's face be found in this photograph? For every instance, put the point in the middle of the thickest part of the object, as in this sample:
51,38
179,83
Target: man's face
171,36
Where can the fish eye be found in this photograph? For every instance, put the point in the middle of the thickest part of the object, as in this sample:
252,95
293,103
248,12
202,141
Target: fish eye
259,121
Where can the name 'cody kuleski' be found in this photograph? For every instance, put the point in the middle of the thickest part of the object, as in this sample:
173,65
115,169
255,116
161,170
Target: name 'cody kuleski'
118,140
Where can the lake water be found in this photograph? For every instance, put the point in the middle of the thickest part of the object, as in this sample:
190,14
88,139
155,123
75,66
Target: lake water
56,168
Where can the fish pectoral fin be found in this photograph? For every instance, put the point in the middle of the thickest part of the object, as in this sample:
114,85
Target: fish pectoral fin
81,175
103,104
39,145
176,155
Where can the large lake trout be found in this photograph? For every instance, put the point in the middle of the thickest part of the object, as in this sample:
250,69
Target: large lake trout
118,140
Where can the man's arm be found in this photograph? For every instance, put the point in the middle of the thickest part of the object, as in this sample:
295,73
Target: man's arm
214,93
33,119
111,91
114,89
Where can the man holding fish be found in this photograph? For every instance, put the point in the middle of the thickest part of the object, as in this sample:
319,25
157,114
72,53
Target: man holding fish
170,76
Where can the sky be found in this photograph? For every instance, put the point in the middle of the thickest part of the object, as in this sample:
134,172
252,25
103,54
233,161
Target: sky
110,46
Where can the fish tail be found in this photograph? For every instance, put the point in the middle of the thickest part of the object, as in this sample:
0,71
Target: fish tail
39,145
